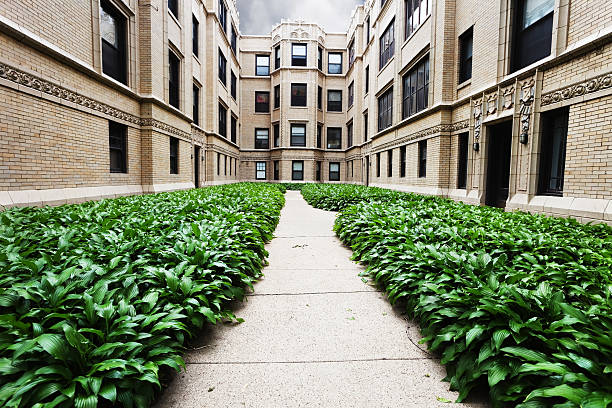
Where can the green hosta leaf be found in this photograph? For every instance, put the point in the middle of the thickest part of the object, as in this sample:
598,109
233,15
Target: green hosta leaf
498,372
499,336
597,400
55,345
527,354
575,395
109,392
90,401
544,368
473,334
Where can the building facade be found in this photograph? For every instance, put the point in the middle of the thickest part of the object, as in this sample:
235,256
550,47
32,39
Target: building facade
506,103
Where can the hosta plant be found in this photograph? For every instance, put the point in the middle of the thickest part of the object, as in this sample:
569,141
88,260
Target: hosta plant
519,303
97,298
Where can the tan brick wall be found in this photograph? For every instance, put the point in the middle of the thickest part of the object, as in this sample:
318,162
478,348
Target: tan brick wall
588,168
587,17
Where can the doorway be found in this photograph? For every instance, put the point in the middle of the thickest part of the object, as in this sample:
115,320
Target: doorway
498,167
196,166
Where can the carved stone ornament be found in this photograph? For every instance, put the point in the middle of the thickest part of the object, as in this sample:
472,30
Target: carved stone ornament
591,85
492,104
477,105
508,98
527,92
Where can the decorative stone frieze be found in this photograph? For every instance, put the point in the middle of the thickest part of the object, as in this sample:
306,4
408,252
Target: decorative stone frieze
579,89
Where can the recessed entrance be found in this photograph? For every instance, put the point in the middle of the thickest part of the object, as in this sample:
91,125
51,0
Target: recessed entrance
498,167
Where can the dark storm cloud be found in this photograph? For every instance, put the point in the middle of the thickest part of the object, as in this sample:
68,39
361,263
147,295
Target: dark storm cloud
259,16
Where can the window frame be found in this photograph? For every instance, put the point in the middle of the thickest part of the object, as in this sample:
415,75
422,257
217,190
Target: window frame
233,128
260,105
338,68
319,136
351,53
297,100
277,57
277,96
223,120
549,124
196,104
462,160
115,66
173,7
223,15
387,45
276,134
367,79
276,170
117,142
295,139
410,99
258,170
320,59
222,68
385,110
195,36
299,60
331,131
422,159
390,163
174,155
378,165
294,172
522,36
465,61
334,106
403,154
233,85
349,135
234,41
336,173
413,21
174,79
265,68
351,94
261,143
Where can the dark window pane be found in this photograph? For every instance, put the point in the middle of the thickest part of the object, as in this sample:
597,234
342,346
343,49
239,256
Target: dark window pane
174,76
334,63
298,135
334,171
117,135
334,138
262,138
173,7
297,170
113,33
553,151
222,121
298,94
174,155
298,55
222,68
334,101
262,65
262,102
462,168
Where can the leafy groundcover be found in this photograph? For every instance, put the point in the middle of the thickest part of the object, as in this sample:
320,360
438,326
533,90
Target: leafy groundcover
96,298
517,302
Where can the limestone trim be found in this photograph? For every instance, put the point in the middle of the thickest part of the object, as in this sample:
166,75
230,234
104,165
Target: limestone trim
464,124
575,90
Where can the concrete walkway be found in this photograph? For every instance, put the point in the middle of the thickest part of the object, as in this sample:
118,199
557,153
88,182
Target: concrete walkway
314,335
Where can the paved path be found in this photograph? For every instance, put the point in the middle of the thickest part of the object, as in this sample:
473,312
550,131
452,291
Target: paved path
314,335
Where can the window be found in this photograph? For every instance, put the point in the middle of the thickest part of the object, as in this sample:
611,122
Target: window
320,98
223,15
298,135
234,41
334,171
260,170
462,165
423,159
277,97
113,33
318,171
365,127
320,59
351,53
385,110
298,94
351,94
277,57
173,79
230,166
416,89
465,55
403,161
276,129
319,136
222,68
367,79
196,104
389,163
195,36
367,30
553,149
298,55
262,138
173,7
533,32
262,102
416,14
222,120
387,45
382,3
262,63
297,170
349,134
174,152
377,164
234,129
334,63
117,135
234,85
334,101
334,138
225,165
218,164
276,170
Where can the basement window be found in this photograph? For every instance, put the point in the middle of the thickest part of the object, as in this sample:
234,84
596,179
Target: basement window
117,135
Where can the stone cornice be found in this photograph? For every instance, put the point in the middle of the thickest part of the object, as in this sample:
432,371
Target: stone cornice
578,89
447,128
21,78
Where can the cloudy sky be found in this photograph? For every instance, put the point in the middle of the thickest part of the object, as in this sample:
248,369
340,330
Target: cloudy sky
259,16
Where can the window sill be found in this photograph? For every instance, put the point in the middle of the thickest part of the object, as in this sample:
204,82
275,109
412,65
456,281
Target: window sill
298,107
386,65
175,18
196,58
335,111
464,84
262,113
413,33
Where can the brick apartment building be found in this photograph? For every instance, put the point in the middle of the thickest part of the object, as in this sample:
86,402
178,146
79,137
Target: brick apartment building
506,103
